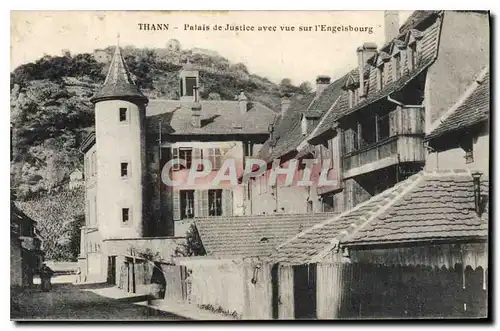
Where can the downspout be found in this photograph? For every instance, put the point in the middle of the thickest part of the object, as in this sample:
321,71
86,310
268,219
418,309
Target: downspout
402,104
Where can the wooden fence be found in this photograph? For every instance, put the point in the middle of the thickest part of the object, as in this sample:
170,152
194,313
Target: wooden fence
375,291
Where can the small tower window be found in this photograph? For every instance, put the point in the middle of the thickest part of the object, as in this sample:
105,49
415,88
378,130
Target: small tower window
123,115
125,215
124,169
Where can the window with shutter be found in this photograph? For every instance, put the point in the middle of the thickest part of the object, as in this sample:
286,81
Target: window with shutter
187,208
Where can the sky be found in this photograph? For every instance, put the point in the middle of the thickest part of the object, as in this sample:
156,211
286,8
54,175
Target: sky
298,55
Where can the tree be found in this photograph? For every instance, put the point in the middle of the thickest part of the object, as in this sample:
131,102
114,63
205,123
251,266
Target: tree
305,87
286,82
193,245
214,96
239,67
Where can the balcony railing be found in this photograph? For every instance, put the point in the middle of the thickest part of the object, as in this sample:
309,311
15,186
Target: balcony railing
392,150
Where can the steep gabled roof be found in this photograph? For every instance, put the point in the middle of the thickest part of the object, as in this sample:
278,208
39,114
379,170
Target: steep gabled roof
427,207
471,110
252,236
118,83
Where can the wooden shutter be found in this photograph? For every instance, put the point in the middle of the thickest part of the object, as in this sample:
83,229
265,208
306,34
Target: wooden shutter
204,202
331,149
227,202
197,156
217,156
197,203
176,205
175,156
201,203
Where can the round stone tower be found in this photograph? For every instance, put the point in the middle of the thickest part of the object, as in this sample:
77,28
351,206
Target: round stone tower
120,111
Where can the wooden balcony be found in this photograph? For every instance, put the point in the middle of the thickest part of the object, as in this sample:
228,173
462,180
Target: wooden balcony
384,153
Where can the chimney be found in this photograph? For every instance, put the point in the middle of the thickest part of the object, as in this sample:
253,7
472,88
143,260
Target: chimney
364,53
196,109
476,177
322,83
243,102
391,24
285,103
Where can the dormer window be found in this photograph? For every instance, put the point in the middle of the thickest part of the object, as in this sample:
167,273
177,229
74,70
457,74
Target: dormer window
189,80
190,84
412,56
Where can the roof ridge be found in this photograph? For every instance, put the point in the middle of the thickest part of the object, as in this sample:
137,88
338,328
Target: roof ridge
467,93
447,172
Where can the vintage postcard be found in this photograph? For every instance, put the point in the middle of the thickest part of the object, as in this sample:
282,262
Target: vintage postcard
244,165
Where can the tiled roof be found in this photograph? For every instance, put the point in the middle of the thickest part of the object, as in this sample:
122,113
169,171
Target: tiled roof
218,117
252,236
472,110
426,207
118,83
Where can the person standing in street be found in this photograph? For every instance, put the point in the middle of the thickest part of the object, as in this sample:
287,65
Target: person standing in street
45,275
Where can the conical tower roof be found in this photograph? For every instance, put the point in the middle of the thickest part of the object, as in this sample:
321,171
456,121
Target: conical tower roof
118,83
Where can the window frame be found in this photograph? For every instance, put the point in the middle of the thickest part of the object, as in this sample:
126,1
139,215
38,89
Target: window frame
214,155
126,120
129,215
183,196
127,169
412,55
215,194
176,155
